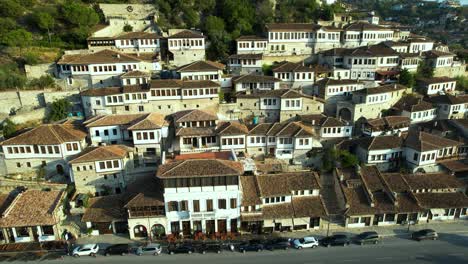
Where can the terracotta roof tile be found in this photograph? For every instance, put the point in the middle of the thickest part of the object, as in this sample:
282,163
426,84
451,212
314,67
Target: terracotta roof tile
109,120
284,183
32,208
199,168
254,78
422,141
186,34
193,115
102,91
433,181
255,56
308,206
250,193
442,200
49,134
287,66
103,56
105,209
91,154
198,66
232,128
381,89
151,121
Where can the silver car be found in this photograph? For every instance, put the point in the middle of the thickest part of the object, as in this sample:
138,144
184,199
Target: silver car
150,249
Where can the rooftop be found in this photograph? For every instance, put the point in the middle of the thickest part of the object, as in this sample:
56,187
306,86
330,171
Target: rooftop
49,134
32,208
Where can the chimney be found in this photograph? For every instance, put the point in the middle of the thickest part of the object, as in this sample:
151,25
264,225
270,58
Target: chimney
118,56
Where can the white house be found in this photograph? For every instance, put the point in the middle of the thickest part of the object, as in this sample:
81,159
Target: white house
436,85
185,46
450,106
201,70
47,147
416,108
201,195
423,151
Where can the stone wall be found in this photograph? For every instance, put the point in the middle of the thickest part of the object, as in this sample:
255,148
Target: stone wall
452,71
37,71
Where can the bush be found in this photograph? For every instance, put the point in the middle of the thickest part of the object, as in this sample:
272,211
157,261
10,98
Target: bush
42,82
127,28
31,58
9,128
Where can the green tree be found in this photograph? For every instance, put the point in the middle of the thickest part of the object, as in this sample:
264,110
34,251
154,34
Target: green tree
6,24
79,15
406,78
9,128
462,84
59,110
45,22
191,17
11,8
424,70
239,15
219,38
328,159
18,38
348,159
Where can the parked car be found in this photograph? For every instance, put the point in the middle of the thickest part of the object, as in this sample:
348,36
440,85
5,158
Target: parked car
370,237
252,245
335,240
85,250
210,247
279,243
425,234
117,249
151,249
181,248
305,242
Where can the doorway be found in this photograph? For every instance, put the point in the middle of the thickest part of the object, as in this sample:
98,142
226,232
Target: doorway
59,169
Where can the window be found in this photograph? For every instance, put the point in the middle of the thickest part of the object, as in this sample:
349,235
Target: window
184,205
415,156
209,205
173,206
196,205
221,203
233,203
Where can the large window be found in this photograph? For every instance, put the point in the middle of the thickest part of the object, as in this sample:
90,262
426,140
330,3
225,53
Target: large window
221,203
173,206
209,205
196,205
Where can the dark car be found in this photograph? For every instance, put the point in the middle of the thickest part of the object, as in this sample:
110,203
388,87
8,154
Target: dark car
425,234
117,249
280,243
210,247
370,237
253,245
335,240
183,248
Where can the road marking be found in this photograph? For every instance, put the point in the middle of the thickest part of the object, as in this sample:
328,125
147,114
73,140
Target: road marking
351,260
456,254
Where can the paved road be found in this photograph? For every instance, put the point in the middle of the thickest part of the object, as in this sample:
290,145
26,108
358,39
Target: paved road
449,249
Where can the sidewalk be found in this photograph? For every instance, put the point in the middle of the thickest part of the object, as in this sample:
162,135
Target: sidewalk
458,227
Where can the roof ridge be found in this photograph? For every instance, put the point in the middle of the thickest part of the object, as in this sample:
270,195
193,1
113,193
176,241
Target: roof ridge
176,166
52,130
